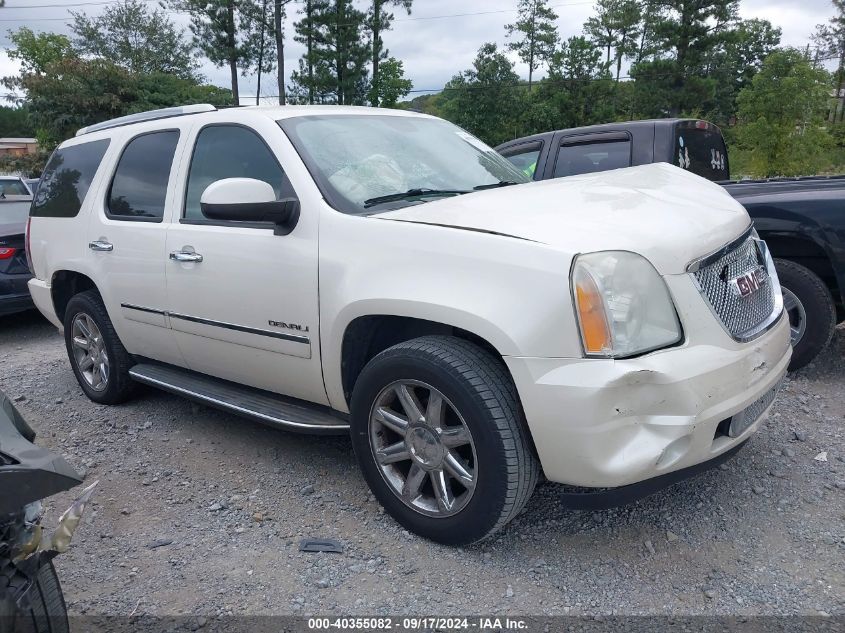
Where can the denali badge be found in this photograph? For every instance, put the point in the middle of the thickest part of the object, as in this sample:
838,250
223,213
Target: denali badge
289,326
748,283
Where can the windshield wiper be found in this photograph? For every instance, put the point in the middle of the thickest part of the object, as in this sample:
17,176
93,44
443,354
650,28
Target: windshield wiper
503,183
412,193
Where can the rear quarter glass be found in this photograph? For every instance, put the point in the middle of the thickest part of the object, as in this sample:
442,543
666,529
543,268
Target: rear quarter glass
67,178
702,151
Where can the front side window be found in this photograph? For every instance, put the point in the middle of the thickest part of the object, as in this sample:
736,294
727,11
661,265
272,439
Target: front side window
67,178
139,187
230,151
587,158
363,163
524,157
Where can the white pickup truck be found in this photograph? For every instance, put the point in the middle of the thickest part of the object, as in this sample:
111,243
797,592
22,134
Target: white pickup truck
384,273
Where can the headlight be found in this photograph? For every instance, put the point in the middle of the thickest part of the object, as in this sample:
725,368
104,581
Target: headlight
622,304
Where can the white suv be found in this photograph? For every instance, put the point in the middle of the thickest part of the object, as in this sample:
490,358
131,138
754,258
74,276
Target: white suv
336,269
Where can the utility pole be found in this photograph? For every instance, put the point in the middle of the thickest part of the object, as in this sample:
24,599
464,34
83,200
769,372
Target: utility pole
261,49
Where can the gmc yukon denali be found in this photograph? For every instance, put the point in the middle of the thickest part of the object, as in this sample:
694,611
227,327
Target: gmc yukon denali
366,271
802,220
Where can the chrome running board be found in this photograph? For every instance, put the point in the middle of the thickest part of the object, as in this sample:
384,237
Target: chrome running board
262,406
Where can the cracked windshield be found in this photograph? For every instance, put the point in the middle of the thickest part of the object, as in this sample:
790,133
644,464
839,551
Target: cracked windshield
371,163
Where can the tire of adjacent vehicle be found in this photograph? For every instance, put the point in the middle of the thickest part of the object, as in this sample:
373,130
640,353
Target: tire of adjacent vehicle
813,294
120,387
46,613
483,392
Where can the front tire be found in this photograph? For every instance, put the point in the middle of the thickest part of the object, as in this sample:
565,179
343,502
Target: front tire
46,611
99,360
812,314
440,438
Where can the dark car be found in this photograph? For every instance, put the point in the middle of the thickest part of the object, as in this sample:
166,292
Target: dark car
31,597
801,219
15,200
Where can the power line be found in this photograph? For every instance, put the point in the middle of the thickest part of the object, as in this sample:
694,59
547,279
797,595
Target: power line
409,19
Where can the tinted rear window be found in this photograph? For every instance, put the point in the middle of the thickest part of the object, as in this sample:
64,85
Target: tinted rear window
13,188
66,179
702,151
587,158
139,187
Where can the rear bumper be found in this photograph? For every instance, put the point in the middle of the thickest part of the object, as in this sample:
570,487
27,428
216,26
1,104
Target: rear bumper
606,424
42,297
10,304
14,294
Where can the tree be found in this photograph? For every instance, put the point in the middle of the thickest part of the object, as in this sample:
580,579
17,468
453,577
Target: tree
15,122
279,36
578,90
781,117
734,66
36,51
74,92
392,85
379,19
536,26
334,66
485,99
227,32
616,27
830,42
692,30
136,38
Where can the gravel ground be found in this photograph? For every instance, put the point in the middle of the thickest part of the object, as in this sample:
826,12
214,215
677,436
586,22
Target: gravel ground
200,513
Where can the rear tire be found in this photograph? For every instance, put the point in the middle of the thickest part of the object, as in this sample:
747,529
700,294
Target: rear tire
99,360
464,467
806,299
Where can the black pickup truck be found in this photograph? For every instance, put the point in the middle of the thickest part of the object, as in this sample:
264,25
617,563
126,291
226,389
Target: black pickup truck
801,219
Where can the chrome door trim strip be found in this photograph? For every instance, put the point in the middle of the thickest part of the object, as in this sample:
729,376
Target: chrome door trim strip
142,309
233,407
240,328
229,326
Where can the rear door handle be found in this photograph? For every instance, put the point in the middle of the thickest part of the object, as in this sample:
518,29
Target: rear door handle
101,245
185,256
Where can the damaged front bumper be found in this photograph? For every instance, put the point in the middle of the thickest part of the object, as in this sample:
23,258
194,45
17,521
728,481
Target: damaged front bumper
29,473
613,423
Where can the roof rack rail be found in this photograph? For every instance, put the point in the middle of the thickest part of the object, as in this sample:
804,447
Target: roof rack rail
150,115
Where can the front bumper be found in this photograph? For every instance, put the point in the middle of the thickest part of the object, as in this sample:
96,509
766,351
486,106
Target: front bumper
606,423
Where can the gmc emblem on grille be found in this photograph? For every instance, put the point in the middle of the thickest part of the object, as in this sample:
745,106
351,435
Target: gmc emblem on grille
748,283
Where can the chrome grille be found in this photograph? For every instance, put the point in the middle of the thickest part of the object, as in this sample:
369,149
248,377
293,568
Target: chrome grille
741,316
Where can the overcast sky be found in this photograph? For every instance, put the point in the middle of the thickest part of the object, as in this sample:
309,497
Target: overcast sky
438,39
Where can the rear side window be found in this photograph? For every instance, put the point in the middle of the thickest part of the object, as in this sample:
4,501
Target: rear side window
139,186
524,157
586,158
702,151
67,178
230,151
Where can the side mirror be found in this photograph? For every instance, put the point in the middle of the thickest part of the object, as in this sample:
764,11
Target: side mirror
249,200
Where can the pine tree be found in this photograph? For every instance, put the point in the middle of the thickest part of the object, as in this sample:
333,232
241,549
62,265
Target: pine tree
379,19
535,25
334,66
226,31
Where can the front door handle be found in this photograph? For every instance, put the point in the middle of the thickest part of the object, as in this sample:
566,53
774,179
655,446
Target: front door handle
101,245
185,256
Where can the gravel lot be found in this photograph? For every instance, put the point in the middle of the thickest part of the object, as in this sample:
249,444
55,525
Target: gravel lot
200,513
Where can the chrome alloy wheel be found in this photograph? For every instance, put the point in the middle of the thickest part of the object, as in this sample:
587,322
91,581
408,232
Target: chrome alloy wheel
423,448
89,352
797,316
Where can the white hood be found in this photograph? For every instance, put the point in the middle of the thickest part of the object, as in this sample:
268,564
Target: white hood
661,212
